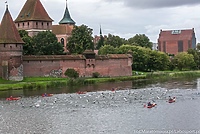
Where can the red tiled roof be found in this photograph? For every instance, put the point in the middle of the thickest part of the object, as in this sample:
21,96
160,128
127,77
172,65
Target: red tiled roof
176,34
33,10
8,30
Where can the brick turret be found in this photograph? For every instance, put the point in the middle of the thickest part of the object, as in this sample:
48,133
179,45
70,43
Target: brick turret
11,48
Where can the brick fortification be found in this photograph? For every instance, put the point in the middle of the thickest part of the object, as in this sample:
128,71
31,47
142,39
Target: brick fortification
107,66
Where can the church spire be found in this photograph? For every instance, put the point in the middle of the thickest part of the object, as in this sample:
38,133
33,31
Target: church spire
67,18
100,30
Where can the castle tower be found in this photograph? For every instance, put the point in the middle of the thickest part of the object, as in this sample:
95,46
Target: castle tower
33,18
11,47
64,29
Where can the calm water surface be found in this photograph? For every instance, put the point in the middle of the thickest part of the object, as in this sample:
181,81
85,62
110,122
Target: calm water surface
105,112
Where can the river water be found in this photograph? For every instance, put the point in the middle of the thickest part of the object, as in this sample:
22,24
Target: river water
102,111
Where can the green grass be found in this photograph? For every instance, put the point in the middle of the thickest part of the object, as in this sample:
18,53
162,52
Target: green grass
33,79
33,83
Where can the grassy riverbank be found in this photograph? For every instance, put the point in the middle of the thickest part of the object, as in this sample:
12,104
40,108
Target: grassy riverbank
37,83
32,83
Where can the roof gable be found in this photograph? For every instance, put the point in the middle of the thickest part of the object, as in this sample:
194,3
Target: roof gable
33,10
8,30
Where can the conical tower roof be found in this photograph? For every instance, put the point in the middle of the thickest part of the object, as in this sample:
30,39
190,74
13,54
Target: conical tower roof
33,10
67,18
8,31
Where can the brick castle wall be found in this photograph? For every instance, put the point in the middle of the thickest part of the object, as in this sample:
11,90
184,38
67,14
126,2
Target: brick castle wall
56,66
11,61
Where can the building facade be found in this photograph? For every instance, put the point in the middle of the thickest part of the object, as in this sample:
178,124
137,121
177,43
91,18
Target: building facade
175,41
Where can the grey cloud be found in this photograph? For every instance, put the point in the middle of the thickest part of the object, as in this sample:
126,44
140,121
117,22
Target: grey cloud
156,3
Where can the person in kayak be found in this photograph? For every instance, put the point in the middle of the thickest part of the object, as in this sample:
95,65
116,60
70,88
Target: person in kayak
170,98
149,104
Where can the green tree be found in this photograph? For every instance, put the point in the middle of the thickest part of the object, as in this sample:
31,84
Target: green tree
107,49
140,40
124,49
140,56
196,56
158,61
144,59
71,73
46,43
198,46
184,60
114,41
80,40
28,43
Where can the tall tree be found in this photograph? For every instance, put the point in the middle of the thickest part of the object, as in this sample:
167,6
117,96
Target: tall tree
80,40
141,40
196,56
114,41
184,60
198,46
107,49
46,43
28,43
158,61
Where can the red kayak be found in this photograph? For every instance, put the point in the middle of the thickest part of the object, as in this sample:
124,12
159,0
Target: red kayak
47,95
171,100
152,105
13,98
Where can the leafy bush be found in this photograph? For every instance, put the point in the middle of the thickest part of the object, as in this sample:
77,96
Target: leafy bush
71,73
96,75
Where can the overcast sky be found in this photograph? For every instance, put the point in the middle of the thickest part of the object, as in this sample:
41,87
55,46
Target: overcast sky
124,18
